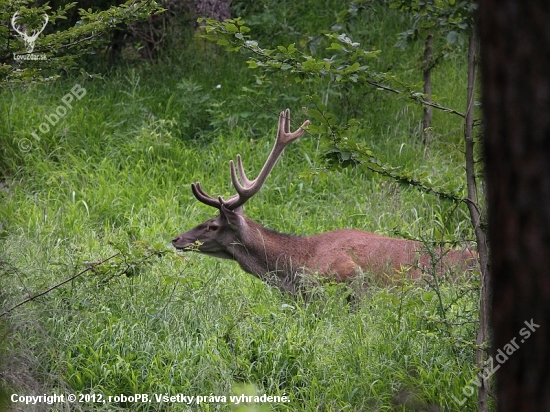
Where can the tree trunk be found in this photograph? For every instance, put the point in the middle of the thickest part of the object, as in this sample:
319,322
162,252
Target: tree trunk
475,217
515,40
214,9
427,75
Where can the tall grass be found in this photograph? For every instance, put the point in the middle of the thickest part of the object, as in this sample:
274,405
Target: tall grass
113,176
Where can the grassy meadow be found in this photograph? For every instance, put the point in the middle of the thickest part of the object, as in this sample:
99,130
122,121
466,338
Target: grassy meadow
112,177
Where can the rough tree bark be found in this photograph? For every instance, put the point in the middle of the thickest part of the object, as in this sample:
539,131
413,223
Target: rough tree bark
214,9
515,42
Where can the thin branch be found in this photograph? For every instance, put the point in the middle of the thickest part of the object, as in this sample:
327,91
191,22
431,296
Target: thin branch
445,109
415,97
384,87
81,40
93,266
8,57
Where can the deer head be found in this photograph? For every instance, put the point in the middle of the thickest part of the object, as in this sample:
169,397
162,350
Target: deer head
217,237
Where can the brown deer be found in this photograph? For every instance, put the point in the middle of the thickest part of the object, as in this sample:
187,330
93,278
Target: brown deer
282,260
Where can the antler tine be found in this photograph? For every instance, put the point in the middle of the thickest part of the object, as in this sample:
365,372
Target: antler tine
240,169
286,117
244,189
203,197
249,188
283,132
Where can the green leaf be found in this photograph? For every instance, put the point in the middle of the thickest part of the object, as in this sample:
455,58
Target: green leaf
316,115
355,66
452,37
230,27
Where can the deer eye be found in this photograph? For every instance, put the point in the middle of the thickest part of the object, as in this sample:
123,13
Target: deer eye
212,228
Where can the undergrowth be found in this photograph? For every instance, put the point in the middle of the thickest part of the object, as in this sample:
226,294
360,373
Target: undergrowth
112,177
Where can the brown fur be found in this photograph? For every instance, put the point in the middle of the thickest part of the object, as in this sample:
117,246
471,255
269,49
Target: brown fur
281,259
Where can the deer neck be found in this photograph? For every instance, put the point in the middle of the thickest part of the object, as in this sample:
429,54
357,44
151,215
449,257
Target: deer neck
274,257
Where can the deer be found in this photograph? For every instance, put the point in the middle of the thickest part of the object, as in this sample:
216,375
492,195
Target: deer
284,260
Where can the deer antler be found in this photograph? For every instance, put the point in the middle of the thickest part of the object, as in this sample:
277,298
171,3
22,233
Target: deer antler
247,188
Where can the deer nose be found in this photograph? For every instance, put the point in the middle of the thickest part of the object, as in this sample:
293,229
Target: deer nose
176,239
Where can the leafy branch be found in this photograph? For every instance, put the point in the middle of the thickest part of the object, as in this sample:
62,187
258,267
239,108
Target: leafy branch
347,65
125,262
58,285
62,48
343,151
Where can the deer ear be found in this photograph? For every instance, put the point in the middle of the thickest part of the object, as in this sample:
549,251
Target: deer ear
233,217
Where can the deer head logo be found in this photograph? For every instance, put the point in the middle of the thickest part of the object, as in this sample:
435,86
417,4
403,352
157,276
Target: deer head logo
28,39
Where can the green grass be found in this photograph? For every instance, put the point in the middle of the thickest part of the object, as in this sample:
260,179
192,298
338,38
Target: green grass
114,176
